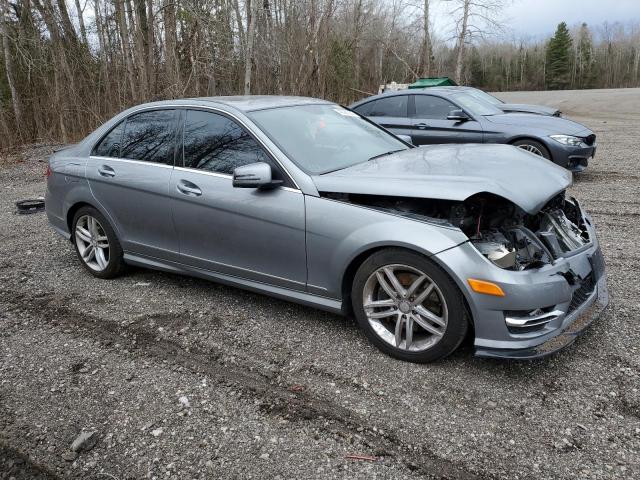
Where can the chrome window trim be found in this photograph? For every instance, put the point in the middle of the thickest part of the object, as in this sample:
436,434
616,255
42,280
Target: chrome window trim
217,110
126,160
203,172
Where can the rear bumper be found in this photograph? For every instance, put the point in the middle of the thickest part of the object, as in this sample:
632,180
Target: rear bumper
573,325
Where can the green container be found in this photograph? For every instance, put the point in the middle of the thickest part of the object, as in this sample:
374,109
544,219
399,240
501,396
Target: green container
433,82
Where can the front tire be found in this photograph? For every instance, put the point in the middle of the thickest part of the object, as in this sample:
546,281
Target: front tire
408,307
534,147
96,244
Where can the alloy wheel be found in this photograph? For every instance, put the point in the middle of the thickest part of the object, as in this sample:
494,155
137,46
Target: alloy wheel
531,148
92,243
405,307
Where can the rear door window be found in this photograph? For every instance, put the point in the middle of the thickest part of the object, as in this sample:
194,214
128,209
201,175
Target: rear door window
395,106
150,136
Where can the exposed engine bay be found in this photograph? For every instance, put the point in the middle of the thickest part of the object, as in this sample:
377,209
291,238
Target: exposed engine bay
501,231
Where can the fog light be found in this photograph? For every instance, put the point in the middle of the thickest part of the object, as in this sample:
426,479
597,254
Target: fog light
488,288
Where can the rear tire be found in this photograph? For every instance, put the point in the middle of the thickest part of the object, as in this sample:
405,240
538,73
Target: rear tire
408,306
534,147
96,244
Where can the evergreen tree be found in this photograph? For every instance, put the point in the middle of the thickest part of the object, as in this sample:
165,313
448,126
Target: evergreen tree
558,64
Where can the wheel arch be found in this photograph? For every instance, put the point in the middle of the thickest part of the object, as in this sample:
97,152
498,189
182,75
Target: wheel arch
350,272
73,209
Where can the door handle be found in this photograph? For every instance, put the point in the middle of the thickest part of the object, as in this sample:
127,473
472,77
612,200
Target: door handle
106,171
421,125
189,188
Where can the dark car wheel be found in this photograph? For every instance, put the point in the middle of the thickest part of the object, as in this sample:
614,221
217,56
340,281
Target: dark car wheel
408,306
96,244
533,147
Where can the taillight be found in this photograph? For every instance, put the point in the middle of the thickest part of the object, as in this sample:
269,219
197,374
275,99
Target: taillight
48,172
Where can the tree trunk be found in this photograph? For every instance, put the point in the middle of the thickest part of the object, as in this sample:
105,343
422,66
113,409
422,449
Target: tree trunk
123,31
83,30
426,42
8,64
252,13
461,40
170,41
150,47
142,50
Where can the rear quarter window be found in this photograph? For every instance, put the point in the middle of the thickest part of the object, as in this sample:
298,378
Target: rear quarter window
109,146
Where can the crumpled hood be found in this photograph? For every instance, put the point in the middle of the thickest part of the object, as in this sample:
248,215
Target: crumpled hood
525,108
454,172
552,125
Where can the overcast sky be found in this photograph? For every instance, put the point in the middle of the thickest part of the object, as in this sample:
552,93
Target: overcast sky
539,18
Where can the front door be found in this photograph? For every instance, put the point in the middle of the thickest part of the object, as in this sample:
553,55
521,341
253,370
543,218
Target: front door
248,233
430,125
129,172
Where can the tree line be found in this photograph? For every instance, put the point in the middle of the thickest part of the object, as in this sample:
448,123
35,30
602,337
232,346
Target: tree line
68,65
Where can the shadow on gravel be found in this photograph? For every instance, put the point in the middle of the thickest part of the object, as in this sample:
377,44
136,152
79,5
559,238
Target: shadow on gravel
18,466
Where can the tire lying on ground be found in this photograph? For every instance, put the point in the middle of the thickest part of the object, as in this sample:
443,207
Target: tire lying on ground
29,206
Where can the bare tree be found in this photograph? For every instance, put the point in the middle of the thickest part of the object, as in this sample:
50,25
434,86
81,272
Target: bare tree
8,65
426,40
474,18
60,85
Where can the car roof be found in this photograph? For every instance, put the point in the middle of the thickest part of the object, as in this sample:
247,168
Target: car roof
440,91
244,103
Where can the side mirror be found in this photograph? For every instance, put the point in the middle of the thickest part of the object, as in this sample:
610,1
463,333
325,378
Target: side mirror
458,116
254,175
405,138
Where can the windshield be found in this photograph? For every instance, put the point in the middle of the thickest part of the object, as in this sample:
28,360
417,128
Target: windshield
324,138
474,92
475,105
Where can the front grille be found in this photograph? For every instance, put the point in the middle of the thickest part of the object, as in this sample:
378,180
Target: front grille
582,293
590,139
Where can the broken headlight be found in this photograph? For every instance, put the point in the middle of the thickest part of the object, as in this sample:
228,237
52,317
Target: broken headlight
497,249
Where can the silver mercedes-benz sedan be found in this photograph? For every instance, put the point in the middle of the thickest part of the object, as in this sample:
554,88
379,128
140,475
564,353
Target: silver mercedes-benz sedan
308,201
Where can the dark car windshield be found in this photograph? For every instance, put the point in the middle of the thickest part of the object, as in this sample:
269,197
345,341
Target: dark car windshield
475,105
474,92
324,138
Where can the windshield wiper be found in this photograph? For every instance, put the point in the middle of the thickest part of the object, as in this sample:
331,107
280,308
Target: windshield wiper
386,153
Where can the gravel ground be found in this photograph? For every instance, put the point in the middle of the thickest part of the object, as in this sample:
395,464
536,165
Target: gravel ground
182,378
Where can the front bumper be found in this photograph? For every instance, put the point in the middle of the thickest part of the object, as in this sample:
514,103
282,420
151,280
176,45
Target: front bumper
572,326
573,288
575,159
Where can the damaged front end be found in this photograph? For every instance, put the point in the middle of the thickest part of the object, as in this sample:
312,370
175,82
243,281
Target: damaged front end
502,232
515,240
547,263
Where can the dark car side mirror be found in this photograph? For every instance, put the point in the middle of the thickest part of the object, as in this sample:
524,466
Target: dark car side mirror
254,175
458,116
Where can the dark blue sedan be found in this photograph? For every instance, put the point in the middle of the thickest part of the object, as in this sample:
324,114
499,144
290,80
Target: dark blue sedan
441,115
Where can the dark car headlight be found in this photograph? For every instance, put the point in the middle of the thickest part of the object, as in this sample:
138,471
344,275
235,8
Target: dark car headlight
569,140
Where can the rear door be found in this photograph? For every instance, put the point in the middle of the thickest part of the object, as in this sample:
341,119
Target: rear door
429,124
390,112
129,172
245,232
